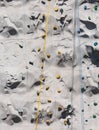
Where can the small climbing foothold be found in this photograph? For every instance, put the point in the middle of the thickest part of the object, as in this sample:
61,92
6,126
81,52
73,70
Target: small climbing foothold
56,8
44,36
59,108
59,52
65,122
55,28
89,18
50,114
47,88
85,7
95,7
39,49
95,104
96,43
48,55
94,116
59,91
49,101
58,76
48,122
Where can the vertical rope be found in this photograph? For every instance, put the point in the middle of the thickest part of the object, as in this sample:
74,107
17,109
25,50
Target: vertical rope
80,63
44,54
74,55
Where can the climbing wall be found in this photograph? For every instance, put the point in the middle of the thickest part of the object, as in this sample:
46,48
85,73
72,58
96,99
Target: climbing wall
49,64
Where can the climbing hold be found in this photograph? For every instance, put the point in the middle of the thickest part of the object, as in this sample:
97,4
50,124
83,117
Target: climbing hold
56,8
89,18
55,28
44,36
43,59
86,120
96,8
59,91
82,78
94,116
20,46
88,68
49,101
65,122
50,114
32,120
59,52
47,88
43,2
48,122
96,43
85,7
83,110
42,66
58,76
83,90
20,112
39,49
59,108
95,104
61,10
48,56
31,63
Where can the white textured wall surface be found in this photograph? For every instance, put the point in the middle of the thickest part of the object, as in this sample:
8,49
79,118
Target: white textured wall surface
49,64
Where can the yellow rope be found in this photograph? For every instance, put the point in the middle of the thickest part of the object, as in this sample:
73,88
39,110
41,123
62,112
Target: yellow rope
46,33
44,51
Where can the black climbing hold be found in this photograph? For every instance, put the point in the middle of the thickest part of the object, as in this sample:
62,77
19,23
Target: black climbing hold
12,31
37,83
82,78
83,110
8,0
32,120
71,89
16,119
43,2
20,46
95,104
38,93
61,10
83,90
64,114
68,122
94,116
21,113
28,26
23,78
89,25
31,63
13,85
95,90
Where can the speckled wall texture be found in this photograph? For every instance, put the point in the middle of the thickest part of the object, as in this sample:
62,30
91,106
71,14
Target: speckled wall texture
49,64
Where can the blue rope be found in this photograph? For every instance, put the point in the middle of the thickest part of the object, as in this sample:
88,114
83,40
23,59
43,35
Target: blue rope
80,67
